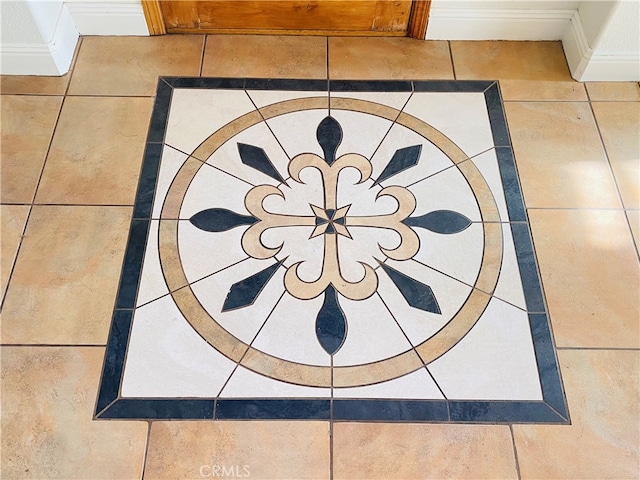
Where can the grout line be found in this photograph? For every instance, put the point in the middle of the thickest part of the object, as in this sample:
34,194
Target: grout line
146,451
204,49
453,67
515,451
615,181
605,349
33,198
53,345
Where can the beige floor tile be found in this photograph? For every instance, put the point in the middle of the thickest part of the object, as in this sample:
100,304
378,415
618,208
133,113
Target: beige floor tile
96,152
559,154
260,449
64,282
265,56
48,395
602,442
406,451
388,58
131,65
33,85
27,126
634,221
526,70
589,272
619,124
614,91
12,220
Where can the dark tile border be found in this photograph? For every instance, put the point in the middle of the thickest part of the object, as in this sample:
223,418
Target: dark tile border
109,405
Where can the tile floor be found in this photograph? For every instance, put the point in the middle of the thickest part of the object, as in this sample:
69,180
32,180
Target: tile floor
72,151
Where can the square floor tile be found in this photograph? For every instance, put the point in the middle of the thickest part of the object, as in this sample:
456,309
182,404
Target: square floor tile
356,252
526,70
27,127
283,56
131,65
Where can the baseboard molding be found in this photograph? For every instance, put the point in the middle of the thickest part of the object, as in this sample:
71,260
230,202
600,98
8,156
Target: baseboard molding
109,18
587,65
497,24
53,58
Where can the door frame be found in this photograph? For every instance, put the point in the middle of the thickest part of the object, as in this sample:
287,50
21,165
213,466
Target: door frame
417,28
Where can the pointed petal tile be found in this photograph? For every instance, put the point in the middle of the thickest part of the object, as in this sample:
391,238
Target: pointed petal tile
220,220
403,159
440,221
245,292
329,135
256,157
416,293
331,325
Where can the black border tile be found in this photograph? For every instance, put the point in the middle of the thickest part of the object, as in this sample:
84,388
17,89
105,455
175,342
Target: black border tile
132,267
110,406
511,184
273,409
285,84
391,410
528,268
451,86
370,86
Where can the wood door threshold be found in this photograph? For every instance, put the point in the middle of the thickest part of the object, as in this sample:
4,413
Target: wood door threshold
324,33
417,26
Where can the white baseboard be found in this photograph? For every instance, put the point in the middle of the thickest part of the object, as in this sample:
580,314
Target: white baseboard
587,65
497,24
108,18
53,58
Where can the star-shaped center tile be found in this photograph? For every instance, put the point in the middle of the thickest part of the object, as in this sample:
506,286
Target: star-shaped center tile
330,221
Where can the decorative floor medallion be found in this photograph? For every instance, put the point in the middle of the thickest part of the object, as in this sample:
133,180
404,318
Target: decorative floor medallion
343,250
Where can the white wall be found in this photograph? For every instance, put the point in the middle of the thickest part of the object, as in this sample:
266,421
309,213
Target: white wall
108,17
603,41
499,20
38,37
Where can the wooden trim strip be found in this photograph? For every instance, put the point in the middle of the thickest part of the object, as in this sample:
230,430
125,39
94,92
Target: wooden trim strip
419,19
153,16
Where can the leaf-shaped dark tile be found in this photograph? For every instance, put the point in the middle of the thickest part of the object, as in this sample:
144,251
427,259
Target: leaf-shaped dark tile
440,221
220,220
416,293
246,291
403,159
329,135
255,157
331,325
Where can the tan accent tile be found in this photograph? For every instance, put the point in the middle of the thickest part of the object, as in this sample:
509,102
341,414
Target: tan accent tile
602,442
634,221
265,56
388,58
614,91
12,220
388,369
436,137
272,367
27,126
96,152
589,272
381,451
48,397
526,70
65,279
491,258
132,65
263,449
561,162
33,85
619,125
288,106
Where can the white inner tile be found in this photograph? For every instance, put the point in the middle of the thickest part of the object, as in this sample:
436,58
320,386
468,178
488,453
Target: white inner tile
167,358
416,385
197,113
247,384
495,361
460,116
